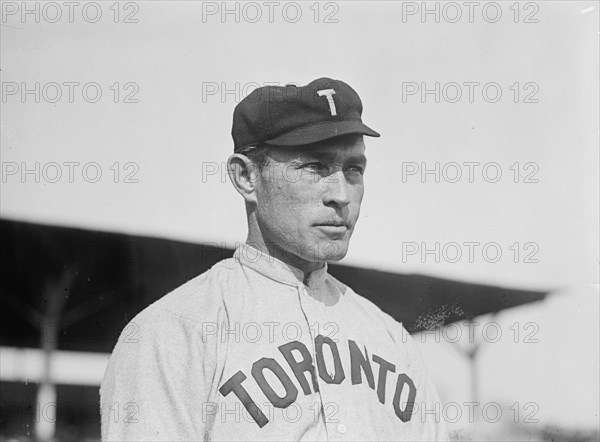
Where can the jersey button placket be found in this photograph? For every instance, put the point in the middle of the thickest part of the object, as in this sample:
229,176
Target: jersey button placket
304,300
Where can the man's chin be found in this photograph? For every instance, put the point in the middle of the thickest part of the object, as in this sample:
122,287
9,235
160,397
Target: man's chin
328,251
335,257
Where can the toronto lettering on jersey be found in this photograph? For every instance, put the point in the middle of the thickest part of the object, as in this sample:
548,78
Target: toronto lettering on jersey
359,364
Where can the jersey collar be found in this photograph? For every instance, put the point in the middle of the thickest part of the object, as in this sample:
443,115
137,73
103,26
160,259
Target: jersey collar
278,270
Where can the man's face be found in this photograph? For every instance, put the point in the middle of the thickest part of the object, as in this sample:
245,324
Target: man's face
308,197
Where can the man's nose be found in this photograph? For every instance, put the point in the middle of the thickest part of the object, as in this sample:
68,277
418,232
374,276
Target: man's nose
337,190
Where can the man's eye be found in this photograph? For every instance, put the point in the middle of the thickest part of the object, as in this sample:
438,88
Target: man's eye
316,167
357,169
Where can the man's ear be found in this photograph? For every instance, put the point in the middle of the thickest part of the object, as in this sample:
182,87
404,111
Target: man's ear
243,174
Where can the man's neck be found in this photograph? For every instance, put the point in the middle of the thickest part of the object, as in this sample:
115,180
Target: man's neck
307,267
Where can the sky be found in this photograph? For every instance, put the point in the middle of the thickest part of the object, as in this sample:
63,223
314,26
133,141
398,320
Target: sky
171,74
177,76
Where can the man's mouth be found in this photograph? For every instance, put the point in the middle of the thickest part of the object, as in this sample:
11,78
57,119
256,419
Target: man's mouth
334,229
332,224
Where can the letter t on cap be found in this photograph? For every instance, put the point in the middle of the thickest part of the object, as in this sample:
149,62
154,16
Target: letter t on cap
329,94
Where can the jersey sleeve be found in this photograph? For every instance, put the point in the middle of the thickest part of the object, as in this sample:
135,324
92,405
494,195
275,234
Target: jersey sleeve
428,406
158,381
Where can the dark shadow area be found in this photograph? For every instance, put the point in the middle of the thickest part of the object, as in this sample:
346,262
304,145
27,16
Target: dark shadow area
114,276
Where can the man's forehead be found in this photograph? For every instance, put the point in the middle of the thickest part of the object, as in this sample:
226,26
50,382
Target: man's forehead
333,149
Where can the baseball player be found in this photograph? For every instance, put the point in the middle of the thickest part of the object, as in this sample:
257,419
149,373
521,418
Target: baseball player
268,345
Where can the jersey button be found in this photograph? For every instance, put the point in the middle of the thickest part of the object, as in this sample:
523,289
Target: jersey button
342,428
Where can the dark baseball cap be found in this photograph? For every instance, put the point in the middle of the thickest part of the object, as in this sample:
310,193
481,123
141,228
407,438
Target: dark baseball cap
292,116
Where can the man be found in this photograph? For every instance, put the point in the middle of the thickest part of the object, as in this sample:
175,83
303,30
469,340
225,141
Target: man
267,345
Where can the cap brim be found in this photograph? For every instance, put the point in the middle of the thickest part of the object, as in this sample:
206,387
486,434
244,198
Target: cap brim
321,131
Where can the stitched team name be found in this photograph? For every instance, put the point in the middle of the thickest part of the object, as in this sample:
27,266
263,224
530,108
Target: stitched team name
359,364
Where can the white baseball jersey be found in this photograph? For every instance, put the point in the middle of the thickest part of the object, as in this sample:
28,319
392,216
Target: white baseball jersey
250,351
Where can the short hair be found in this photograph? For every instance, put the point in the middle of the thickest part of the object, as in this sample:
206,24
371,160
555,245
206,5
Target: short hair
257,153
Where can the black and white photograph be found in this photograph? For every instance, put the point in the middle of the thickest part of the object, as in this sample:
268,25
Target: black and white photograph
300,221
